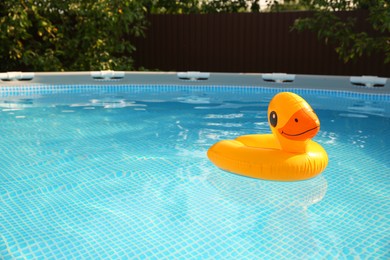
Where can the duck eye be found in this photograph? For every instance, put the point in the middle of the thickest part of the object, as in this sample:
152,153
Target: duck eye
296,120
273,118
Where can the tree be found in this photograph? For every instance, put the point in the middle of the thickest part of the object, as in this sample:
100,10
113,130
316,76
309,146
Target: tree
172,6
289,5
41,35
351,41
201,6
226,6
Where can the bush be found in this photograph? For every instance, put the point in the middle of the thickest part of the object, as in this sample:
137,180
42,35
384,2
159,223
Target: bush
350,40
40,35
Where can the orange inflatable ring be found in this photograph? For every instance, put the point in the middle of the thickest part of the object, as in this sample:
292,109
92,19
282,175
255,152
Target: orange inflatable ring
288,154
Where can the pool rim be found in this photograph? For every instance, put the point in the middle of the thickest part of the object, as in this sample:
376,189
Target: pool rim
370,85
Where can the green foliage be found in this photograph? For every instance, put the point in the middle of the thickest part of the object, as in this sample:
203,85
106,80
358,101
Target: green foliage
41,35
351,41
172,6
289,5
201,6
228,6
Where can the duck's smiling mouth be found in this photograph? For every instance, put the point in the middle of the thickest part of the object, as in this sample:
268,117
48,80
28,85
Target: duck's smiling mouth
302,133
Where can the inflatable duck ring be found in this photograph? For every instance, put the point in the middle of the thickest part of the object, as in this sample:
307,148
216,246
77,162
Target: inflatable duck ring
288,154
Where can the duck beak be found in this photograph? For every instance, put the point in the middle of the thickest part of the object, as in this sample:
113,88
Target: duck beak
302,125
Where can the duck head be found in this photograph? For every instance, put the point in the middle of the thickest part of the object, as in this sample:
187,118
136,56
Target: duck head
292,121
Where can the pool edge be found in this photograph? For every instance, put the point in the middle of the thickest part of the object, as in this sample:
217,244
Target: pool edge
363,84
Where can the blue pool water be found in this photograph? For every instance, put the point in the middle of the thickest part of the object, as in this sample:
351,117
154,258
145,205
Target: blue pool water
121,172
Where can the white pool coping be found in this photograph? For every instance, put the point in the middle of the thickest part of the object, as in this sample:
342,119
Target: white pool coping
358,84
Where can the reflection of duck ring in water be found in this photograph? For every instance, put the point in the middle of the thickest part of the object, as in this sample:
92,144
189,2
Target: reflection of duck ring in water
287,154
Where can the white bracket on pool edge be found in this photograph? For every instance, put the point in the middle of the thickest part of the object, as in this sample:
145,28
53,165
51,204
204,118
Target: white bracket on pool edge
278,77
193,75
107,75
16,75
368,81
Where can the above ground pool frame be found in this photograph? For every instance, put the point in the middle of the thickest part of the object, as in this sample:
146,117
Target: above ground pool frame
359,84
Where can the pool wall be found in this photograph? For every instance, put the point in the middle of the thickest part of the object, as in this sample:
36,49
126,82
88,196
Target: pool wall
359,84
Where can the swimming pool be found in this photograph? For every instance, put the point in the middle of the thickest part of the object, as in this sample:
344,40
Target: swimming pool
120,171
